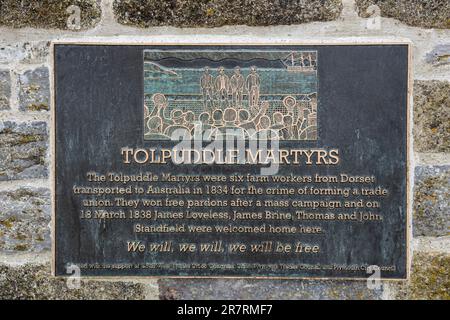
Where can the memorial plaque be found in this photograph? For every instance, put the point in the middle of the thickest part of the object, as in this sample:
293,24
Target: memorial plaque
265,160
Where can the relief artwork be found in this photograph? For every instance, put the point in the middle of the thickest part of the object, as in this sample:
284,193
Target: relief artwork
247,94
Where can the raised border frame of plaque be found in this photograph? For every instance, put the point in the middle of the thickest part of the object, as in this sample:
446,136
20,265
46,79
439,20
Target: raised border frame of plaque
231,42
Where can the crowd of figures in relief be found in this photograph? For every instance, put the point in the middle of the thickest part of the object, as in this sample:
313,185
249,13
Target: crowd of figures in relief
230,103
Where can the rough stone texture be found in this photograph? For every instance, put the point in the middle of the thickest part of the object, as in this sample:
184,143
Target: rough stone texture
33,52
9,53
34,281
34,90
430,278
47,13
431,215
25,215
432,116
431,244
36,52
214,13
432,158
439,56
419,13
174,289
5,89
23,148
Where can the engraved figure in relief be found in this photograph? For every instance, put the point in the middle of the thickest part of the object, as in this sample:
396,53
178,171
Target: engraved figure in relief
252,85
277,123
203,129
289,131
160,103
178,123
222,88
248,123
188,121
155,127
206,84
264,131
217,117
237,83
230,129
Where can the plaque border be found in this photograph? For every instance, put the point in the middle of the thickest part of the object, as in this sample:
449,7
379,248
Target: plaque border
227,41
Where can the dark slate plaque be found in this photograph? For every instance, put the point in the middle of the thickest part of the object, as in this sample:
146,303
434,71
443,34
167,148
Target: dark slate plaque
231,160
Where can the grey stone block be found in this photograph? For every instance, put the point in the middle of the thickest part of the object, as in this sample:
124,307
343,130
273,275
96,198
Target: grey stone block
34,90
431,201
439,56
33,52
5,89
23,148
25,215
431,116
10,53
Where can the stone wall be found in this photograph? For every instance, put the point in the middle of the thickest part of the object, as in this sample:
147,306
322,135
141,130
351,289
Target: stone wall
26,29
